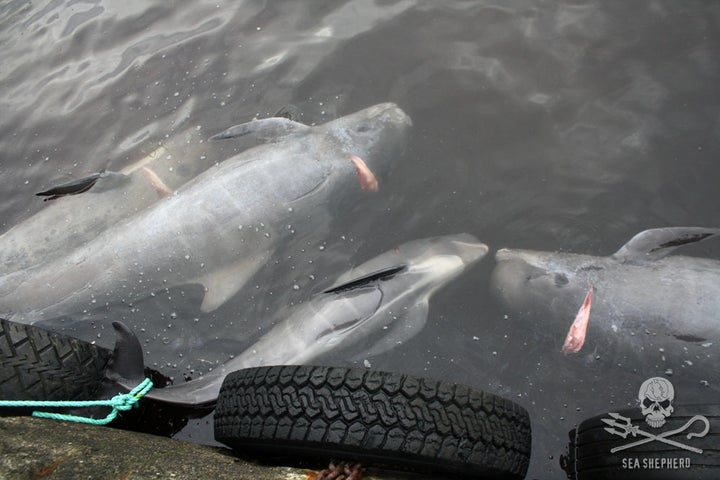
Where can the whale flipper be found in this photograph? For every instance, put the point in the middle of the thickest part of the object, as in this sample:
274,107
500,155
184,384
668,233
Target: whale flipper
100,181
266,129
224,283
654,244
414,320
73,187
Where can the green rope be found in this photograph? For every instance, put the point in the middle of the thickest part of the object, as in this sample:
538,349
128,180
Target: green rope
121,401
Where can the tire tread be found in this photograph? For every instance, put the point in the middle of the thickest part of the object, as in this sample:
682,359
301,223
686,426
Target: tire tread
37,364
380,416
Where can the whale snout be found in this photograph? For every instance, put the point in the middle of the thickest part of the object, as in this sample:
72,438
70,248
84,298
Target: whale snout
389,112
470,250
506,254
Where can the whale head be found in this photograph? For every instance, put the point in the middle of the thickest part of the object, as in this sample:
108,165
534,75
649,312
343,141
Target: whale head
524,279
387,297
376,134
436,260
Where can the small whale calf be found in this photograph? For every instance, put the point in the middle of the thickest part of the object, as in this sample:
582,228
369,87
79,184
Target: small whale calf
639,290
371,308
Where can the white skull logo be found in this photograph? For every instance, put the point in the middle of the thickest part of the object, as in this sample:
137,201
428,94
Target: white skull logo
656,397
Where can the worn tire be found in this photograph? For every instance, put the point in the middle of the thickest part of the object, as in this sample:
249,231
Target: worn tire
396,420
589,456
36,364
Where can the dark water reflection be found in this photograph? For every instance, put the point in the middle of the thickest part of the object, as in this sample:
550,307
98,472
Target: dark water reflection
546,125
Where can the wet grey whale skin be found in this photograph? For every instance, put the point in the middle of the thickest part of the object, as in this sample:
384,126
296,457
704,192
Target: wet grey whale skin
641,291
110,197
219,228
372,307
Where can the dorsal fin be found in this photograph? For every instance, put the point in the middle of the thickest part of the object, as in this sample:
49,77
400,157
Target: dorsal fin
126,365
654,244
291,112
266,129
72,187
384,274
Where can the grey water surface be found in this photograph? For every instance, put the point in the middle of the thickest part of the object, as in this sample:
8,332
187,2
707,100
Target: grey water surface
559,126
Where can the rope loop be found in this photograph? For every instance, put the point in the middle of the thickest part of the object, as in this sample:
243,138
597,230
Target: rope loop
120,402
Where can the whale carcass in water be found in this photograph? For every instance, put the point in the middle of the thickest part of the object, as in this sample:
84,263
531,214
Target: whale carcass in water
371,308
114,196
638,291
219,228
68,222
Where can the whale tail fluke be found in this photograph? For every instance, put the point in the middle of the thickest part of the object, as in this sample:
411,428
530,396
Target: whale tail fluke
126,366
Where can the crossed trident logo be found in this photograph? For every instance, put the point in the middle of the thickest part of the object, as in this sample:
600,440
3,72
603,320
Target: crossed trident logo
627,428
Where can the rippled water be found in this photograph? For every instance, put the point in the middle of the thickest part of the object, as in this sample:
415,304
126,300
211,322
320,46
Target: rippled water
545,125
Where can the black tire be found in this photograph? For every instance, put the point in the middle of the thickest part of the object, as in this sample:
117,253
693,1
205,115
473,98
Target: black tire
36,364
396,420
589,456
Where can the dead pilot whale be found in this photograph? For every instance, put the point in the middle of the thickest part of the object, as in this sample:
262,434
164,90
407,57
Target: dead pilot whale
639,290
379,303
113,196
219,228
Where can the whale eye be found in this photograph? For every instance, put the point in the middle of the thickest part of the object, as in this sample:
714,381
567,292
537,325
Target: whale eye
362,128
560,280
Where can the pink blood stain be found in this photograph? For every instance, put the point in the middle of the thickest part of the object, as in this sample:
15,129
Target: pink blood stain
576,335
159,186
365,175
